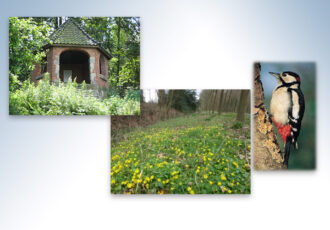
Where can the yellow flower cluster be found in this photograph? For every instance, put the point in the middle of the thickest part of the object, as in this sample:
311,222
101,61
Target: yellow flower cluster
199,159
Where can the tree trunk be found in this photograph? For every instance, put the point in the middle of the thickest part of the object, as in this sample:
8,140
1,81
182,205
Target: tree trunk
220,105
118,48
267,153
242,105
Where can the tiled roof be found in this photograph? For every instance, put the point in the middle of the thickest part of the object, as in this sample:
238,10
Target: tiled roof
70,33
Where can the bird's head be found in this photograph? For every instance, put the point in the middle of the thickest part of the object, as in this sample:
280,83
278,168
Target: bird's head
286,77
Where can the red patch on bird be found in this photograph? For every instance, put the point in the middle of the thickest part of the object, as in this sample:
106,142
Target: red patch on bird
298,79
284,130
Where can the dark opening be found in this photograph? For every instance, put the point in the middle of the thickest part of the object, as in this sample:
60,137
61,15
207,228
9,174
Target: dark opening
100,64
76,65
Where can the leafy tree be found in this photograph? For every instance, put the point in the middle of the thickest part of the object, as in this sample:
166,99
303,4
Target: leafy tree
121,37
26,38
185,100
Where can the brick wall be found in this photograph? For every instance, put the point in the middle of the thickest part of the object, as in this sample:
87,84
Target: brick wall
95,56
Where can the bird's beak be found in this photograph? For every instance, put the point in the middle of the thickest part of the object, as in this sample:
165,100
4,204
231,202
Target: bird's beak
277,75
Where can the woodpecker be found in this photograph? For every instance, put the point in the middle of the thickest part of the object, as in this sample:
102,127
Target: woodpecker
287,108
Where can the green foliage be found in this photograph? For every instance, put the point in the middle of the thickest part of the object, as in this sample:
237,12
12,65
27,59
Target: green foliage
121,37
237,125
181,156
185,101
26,37
65,99
129,75
14,83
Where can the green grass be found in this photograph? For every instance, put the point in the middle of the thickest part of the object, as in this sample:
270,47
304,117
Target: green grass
190,154
65,99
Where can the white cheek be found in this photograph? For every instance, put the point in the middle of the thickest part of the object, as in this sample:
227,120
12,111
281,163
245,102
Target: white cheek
289,79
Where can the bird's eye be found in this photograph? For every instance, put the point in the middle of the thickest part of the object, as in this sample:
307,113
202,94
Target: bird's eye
283,74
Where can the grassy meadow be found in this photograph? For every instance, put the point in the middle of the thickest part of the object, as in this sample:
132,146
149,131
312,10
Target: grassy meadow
201,153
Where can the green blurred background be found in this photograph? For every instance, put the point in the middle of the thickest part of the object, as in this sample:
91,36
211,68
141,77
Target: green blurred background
305,156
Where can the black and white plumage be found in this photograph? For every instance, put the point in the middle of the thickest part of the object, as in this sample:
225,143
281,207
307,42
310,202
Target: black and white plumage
287,108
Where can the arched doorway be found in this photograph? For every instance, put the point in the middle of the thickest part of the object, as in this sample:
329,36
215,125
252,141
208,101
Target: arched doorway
74,65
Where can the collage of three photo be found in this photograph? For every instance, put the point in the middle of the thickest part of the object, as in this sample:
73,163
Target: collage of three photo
163,141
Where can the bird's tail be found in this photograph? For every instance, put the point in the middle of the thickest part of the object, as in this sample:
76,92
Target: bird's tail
287,150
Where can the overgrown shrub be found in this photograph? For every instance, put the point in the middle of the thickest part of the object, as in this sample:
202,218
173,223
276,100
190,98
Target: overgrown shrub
65,99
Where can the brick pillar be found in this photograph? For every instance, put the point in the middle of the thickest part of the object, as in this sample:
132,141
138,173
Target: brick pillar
56,73
50,62
92,69
53,64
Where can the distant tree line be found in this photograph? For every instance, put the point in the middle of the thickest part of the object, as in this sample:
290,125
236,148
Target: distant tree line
219,101
184,101
173,103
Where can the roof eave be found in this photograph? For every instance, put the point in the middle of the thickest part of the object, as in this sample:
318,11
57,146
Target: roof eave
101,49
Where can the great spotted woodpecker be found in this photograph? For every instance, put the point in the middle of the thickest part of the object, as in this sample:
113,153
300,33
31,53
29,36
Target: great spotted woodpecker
287,108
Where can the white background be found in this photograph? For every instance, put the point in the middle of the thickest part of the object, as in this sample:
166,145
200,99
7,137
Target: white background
54,171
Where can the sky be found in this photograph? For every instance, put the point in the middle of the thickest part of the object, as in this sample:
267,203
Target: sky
151,94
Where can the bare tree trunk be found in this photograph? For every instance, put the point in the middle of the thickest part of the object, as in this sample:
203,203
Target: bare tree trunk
161,103
169,102
209,106
242,105
141,97
220,105
214,100
266,149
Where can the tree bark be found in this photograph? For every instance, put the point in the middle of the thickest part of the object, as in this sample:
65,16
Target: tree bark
118,47
221,101
242,105
267,153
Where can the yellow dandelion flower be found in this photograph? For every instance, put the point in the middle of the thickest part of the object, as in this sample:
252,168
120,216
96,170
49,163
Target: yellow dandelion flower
130,185
223,177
